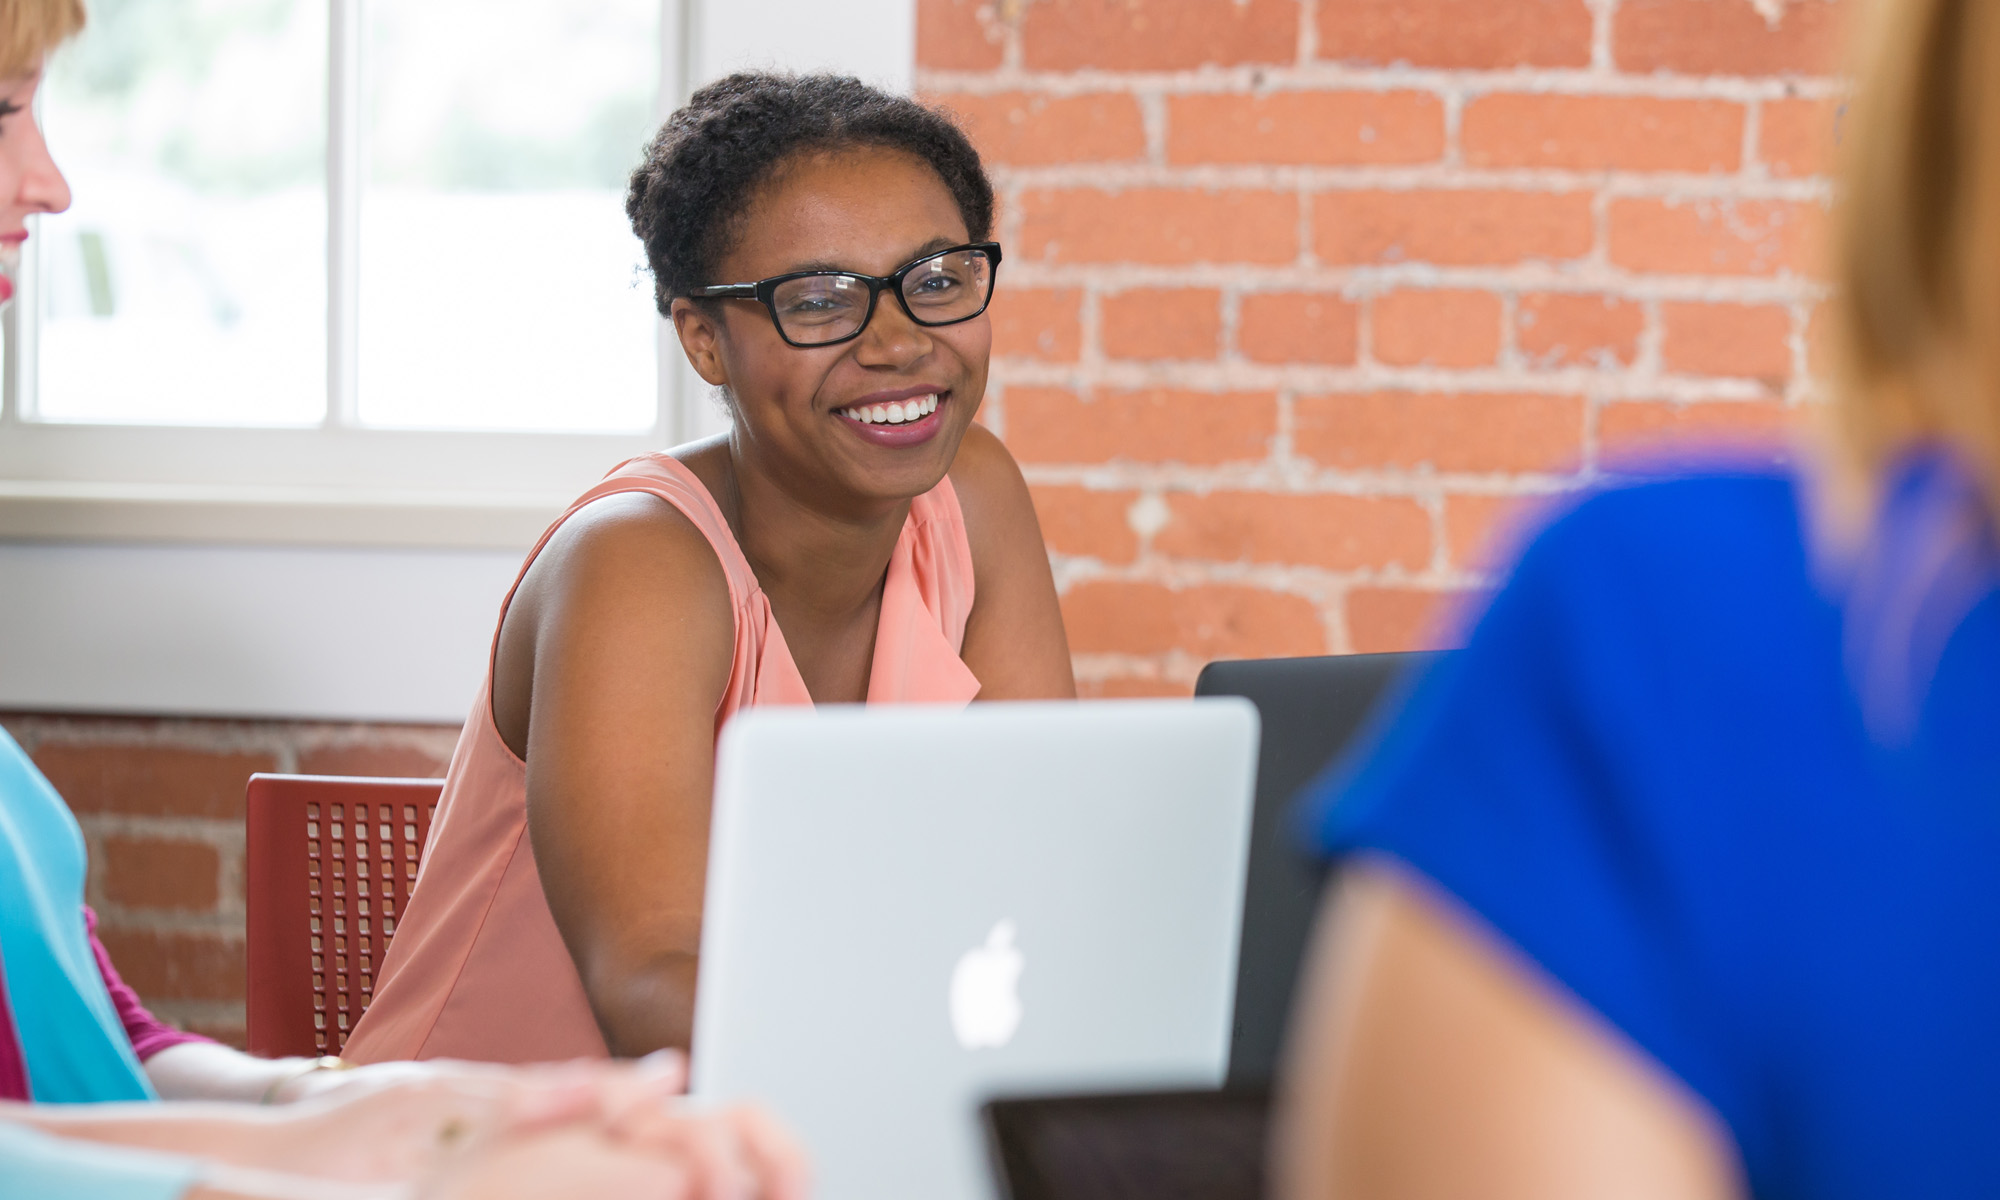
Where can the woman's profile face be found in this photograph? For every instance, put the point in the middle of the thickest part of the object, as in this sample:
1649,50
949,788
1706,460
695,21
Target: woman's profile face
29,180
869,211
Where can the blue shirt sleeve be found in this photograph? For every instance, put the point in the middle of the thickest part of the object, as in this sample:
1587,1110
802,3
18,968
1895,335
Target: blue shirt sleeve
1517,779
34,1166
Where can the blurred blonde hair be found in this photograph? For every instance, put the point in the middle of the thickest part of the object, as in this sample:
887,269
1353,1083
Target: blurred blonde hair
1917,241
29,29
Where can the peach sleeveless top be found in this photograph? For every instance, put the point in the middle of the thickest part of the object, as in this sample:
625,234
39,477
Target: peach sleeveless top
477,968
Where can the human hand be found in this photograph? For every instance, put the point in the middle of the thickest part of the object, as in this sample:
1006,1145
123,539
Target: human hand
731,1156
399,1120
662,1073
396,1126
736,1151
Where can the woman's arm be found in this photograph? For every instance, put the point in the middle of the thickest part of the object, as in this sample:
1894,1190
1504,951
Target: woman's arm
182,1066
391,1134
1426,1060
1014,640
207,1071
579,1130
613,658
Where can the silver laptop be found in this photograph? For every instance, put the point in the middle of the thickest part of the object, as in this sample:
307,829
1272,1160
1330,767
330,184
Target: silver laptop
911,910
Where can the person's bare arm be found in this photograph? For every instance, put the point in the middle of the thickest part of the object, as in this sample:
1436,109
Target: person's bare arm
207,1071
1014,640
584,1130
621,640
1427,1060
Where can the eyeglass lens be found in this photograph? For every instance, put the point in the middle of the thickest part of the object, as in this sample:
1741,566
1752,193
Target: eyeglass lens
938,290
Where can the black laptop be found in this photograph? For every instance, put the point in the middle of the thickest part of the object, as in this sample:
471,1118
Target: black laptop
1312,708
1141,1146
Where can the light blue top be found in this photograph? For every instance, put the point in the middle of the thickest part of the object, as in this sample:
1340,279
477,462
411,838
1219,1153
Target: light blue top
34,1166
71,1039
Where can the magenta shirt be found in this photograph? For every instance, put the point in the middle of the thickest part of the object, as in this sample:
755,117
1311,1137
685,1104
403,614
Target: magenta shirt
147,1033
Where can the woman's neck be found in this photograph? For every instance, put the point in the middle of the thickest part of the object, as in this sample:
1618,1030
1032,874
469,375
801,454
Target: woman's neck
818,558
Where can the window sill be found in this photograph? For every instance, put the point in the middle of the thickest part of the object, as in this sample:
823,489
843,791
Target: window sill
302,487
300,516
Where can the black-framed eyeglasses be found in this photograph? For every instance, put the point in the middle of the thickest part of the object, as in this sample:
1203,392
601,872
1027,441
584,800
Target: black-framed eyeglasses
825,308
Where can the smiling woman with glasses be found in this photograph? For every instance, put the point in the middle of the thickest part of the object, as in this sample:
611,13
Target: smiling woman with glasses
821,248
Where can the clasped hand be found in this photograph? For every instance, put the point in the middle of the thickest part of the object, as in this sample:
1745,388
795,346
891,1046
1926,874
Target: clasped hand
587,1129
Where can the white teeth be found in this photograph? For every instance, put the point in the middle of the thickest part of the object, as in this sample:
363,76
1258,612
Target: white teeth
896,413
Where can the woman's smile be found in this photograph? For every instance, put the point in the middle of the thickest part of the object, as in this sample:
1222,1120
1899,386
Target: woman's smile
903,417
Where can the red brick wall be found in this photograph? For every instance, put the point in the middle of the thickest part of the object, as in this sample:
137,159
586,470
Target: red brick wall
161,805
1304,299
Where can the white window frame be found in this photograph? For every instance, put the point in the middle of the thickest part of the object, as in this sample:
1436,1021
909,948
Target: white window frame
338,483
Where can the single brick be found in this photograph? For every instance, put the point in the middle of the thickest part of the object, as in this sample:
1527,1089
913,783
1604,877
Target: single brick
1444,327
1751,340
408,762
1456,33
1442,432
150,780
1159,225
1728,37
1318,128
1382,619
1633,133
1161,323
1052,425
1157,35
1555,329
1298,327
1027,129
1717,237
1635,431
1796,138
1209,622
1044,323
1459,228
158,873
177,966
1087,523
1337,532
958,35
1486,533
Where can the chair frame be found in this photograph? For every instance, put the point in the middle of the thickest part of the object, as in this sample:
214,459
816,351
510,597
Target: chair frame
323,892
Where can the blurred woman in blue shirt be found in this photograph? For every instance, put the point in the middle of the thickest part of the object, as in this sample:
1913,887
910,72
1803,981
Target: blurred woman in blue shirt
1683,879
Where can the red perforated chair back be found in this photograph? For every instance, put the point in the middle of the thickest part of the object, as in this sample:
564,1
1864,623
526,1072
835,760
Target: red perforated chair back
329,864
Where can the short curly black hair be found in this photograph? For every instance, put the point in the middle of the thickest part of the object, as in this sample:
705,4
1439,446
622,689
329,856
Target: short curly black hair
705,162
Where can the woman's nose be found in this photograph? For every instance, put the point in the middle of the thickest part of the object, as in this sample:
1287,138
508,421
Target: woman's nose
892,339
43,188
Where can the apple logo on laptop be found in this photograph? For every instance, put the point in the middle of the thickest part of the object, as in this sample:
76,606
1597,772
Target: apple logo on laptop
985,1007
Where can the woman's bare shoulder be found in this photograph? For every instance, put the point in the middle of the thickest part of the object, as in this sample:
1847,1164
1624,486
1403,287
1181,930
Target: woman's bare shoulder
632,541
627,570
991,491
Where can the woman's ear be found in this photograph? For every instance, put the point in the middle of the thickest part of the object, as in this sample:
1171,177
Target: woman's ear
700,332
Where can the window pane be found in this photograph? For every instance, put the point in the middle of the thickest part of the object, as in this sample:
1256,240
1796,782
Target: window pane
187,283
500,282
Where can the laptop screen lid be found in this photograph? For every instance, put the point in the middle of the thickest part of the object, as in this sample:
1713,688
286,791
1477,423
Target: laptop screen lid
910,909
1312,710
